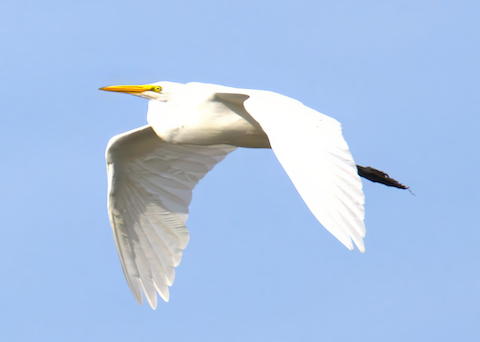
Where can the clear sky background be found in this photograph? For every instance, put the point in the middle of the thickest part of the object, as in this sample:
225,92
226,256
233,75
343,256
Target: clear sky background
402,77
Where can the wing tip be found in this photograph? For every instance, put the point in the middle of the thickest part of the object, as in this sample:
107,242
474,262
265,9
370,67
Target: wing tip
360,245
165,295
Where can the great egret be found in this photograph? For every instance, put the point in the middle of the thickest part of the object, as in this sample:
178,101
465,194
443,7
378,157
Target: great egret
152,170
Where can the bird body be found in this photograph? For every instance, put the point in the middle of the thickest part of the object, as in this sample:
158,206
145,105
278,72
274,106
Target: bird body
205,115
152,170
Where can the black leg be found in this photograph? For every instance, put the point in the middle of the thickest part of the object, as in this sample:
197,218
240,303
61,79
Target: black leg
378,176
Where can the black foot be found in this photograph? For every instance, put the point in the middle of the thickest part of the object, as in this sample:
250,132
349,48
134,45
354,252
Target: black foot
378,176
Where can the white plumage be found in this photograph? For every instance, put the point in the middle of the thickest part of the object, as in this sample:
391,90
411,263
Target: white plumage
152,170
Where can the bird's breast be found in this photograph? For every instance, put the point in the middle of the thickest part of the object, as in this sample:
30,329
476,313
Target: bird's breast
206,123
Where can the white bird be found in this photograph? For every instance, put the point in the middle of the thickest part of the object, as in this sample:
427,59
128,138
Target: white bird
152,170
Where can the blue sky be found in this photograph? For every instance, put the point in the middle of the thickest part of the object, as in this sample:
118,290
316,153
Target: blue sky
401,76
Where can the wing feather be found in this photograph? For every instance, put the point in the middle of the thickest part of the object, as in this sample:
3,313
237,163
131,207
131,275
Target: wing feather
150,188
311,148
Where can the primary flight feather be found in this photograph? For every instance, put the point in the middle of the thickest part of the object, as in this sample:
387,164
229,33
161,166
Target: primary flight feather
152,170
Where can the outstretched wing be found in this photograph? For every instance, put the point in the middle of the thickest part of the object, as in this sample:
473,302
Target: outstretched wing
150,186
311,149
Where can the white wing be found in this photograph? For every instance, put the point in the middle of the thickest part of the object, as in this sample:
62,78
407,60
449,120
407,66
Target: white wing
150,186
311,149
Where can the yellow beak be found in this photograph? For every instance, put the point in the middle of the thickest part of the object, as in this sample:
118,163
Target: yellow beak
135,89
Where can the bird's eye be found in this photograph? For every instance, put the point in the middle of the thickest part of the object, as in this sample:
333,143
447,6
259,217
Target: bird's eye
157,89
